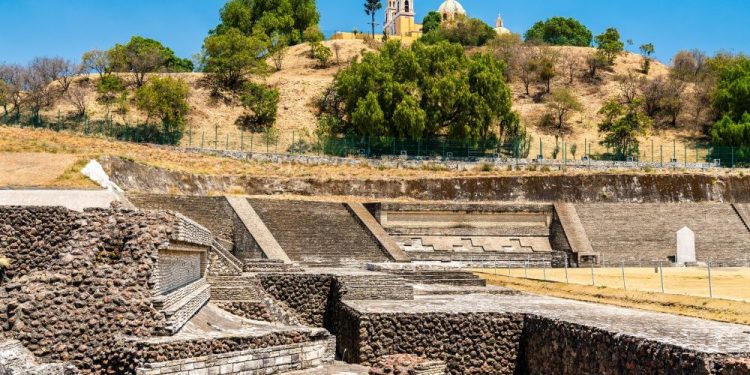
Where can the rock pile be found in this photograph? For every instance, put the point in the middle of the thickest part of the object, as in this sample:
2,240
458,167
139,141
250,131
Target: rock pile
406,364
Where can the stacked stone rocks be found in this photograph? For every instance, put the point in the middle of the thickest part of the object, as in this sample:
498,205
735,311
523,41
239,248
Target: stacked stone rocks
80,281
479,343
558,347
309,296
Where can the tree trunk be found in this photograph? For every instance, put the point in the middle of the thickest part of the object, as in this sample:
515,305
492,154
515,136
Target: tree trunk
373,25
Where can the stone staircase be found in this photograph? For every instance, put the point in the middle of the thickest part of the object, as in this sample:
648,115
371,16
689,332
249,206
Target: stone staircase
318,234
270,266
644,233
369,287
447,277
179,306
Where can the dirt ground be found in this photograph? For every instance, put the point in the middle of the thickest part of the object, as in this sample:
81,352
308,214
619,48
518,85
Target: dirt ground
36,169
686,289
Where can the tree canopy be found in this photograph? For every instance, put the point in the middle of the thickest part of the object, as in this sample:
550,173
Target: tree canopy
466,31
140,56
609,44
289,18
560,31
731,101
420,92
233,56
621,127
431,21
165,99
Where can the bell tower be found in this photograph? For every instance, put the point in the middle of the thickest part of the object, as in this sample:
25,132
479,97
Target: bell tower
405,18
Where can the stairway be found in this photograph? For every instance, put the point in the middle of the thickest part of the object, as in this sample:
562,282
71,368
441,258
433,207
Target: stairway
370,287
455,278
319,234
644,233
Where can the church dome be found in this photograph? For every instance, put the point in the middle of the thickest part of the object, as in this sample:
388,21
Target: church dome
451,8
500,28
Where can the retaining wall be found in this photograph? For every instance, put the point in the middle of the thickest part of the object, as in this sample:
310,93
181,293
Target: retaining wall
604,187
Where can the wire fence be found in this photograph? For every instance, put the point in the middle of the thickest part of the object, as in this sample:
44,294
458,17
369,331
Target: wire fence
711,280
652,153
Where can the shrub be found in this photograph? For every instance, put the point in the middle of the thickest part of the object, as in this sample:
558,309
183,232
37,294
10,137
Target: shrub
560,31
262,104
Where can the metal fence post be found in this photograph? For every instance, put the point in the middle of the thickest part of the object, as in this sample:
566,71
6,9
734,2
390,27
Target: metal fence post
624,284
593,278
242,140
661,276
526,268
710,282
566,269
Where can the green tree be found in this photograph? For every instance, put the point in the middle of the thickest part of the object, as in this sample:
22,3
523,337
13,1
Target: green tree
431,22
609,44
313,37
621,127
4,96
109,89
165,99
262,103
560,31
142,55
467,31
232,57
289,18
368,118
371,9
277,49
422,91
562,103
732,95
96,60
647,50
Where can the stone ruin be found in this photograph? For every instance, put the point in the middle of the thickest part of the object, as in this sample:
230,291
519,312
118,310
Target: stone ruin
236,286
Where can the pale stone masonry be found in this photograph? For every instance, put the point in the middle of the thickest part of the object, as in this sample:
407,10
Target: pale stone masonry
257,229
277,359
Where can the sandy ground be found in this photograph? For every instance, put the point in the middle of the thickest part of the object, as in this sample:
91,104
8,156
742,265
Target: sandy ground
686,289
33,169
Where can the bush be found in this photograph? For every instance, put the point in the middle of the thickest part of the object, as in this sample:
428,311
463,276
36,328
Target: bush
165,98
560,31
468,32
262,103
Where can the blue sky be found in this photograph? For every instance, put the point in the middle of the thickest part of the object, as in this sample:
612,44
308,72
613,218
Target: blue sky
67,28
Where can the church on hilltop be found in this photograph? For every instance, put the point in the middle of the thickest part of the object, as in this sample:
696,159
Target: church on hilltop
400,21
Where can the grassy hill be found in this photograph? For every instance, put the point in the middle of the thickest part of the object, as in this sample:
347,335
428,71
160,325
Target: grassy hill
300,82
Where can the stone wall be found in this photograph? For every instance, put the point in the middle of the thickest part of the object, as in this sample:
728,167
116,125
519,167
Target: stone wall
551,346
79,281
309,296
270,360
481,343
178,269
603,187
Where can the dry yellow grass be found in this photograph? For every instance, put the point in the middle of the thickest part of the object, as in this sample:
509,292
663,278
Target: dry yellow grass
720,309
72,148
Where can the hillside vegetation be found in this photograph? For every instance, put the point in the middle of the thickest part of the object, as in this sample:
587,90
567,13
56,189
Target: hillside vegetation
300,82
